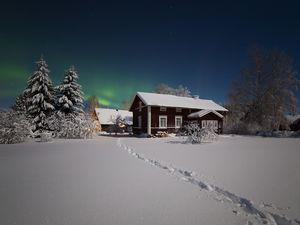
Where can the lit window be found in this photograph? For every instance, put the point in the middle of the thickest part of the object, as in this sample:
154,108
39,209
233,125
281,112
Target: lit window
163,121
178,110
163,109
178,121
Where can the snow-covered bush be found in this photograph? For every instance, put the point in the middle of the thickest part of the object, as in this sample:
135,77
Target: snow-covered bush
243,128
295,134
14,127
70,126
161,134
195,134
46,136
279,134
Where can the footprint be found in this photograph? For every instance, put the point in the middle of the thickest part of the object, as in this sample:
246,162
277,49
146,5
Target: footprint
245,205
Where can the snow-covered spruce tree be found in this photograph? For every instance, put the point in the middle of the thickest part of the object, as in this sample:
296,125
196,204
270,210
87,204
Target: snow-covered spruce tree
39,97
70,96
70,121
20,104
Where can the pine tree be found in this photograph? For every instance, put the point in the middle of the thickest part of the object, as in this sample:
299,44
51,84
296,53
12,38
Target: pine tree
20,104
39,96
70,99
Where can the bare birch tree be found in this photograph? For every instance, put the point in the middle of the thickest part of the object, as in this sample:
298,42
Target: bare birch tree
264,92
179,91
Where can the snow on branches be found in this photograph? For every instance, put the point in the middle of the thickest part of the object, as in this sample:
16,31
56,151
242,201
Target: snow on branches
70,96
71,126
263,94
20,104
14,127
179,91
195,134
119,125
39,96
44,111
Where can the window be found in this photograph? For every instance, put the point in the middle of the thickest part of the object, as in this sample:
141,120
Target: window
210,123
139,121
163,109
215,124
163,121
140,106
178,121
178,110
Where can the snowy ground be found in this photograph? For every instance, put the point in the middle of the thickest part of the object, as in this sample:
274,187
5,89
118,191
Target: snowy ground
108,180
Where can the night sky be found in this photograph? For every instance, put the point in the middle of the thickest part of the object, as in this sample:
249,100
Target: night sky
120,47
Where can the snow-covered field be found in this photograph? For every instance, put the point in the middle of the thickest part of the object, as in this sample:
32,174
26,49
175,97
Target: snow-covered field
110,180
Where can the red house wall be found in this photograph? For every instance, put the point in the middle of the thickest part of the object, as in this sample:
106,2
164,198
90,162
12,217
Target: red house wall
170,113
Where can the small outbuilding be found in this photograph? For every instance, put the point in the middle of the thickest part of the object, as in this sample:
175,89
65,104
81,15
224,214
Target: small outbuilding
107,117
295,123
154,113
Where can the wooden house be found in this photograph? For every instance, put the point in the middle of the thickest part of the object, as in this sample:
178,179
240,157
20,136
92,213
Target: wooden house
107,117
160,112
295,123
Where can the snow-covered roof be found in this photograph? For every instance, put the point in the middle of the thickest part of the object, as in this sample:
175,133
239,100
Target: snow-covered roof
154,99
291,118
106,116
204,112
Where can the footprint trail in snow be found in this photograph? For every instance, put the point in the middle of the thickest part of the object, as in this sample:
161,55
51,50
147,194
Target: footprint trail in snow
256,214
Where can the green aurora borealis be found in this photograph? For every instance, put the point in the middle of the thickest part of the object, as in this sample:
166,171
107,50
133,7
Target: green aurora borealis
13,80
121,47
110,88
